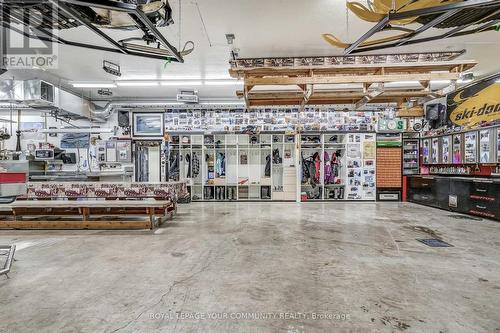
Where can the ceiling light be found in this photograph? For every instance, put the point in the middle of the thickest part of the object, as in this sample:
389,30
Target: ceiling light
405,82
401,83
466,77
159,103
223,103
224,82
181,83
93,85
440,81
137,83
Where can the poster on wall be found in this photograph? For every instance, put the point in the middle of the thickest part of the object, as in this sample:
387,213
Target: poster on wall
369,150
475,104
435,151
471,147
31,130
426,151
75,140
485,155
148,124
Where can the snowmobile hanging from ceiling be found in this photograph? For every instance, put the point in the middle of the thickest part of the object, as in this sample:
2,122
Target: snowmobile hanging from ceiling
44,16
463,17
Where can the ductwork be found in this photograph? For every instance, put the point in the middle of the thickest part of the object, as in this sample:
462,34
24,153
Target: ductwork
41,95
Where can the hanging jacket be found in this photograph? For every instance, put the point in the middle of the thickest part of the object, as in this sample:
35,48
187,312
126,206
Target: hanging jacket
305,169
317,166
327,167
276,156
174,166
267,170
188,165
220,164
195,165
308,171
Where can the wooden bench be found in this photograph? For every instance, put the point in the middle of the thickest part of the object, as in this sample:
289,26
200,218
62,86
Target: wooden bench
87,214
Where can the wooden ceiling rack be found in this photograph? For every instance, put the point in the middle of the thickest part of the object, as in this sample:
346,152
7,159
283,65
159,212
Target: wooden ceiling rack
319,84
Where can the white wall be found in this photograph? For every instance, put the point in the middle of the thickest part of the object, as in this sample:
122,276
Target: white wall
36,138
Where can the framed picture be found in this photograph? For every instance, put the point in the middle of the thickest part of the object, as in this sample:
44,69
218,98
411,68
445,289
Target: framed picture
148,124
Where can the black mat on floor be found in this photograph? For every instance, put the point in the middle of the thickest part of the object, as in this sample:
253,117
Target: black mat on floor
465,217
432,242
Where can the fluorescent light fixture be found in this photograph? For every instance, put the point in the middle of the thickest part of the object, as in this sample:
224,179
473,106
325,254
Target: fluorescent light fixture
159,103
181,83
224,82
405,82
465,81
440,81
137,83
93,85
223,103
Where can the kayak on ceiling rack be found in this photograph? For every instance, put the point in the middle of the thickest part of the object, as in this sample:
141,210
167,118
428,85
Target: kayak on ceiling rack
464,17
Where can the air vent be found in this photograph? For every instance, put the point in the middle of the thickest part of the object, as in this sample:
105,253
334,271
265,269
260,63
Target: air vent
187,96
38,93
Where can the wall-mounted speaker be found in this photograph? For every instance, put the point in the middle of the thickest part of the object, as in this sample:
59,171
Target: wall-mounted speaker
123,119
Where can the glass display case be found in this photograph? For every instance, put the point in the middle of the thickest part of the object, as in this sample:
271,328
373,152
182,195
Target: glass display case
457,149
470,150
426,150
445,149
410,156
435,150
498,145
486,146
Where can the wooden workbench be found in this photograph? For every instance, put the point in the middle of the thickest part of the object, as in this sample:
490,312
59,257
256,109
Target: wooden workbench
86,214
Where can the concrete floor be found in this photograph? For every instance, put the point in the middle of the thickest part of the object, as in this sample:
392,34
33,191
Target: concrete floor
357,264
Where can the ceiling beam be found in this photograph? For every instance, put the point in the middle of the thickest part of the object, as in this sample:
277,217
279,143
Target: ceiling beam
277,94
385,68
263,81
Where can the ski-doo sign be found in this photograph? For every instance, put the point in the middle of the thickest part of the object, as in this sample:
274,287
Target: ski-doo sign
474,104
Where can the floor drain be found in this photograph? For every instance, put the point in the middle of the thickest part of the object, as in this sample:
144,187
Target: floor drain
465,217
432,242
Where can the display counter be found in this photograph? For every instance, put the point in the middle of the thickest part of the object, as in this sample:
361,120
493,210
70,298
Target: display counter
475,196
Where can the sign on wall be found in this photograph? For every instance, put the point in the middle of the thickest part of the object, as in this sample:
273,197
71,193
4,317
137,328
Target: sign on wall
475,104
391,125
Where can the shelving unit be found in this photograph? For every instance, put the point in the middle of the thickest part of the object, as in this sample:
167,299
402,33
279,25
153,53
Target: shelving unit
410,155
238,166
341,169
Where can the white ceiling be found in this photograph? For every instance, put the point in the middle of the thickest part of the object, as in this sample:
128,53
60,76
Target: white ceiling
262,29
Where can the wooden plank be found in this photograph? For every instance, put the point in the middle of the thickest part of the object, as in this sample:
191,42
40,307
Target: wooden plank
350,79
417,111
88,203
276,94
72,225
416,67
